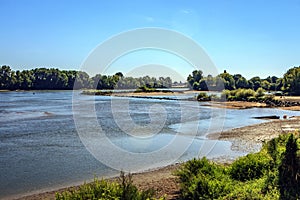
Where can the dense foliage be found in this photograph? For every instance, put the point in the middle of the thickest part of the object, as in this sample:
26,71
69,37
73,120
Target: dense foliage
289,83
106,190
272,173
245,94
55,79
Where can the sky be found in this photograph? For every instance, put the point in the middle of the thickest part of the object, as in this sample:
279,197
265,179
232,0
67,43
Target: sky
249,37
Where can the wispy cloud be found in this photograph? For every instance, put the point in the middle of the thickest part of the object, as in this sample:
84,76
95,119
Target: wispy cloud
149,19
185,11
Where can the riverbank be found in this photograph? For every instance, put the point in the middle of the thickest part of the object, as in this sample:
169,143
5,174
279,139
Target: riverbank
163,181
288,102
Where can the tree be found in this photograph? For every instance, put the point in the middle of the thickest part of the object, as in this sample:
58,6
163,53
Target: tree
228,80
197,75
203,85
210,83
289,171
195,78
291,81
265,85
241,83
7,78
255,82
190,80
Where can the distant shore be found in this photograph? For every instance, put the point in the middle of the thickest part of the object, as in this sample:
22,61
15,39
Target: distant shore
163,180
215,104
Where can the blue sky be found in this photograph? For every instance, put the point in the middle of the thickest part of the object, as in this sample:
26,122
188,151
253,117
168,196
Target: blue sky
254,38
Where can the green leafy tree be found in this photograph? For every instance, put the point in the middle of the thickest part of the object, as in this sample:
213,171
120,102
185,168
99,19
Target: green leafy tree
7,79
229,83
255,82
194,79
241,83
291,81
289,171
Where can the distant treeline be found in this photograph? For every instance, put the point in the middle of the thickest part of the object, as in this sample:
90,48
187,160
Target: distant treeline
289,83
55,79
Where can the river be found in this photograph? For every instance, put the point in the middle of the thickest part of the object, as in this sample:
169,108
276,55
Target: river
47,137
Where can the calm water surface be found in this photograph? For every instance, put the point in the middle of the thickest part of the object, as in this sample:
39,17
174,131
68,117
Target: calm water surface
40,148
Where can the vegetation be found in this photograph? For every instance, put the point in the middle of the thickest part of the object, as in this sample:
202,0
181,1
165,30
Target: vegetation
245,95
289,83
272,173
103,189
145,89
55,79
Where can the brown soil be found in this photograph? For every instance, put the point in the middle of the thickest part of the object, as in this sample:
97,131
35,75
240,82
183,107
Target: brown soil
288,98
237,105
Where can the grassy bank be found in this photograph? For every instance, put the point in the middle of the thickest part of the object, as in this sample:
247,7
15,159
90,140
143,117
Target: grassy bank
272,173
123,189
248,95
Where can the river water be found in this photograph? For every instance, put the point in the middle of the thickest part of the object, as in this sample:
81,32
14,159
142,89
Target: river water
51,139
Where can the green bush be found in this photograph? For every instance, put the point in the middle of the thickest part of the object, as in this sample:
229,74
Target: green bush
260,92
105,190
244,94
202,96
252,166
145,89
239,94
271,173
226,94
247,95
96,92
214,97
201,178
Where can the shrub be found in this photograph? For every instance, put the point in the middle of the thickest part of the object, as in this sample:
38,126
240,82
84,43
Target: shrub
214,97
226,94
244,94
271,173
239,94
252,166
145,89
202,96
96,92
260,92
102,189
202,179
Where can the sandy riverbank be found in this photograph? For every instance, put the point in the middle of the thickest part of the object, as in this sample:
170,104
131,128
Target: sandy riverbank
163,181
216,104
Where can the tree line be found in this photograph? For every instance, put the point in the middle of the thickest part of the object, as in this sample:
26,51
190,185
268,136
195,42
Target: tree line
55,79
289,83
